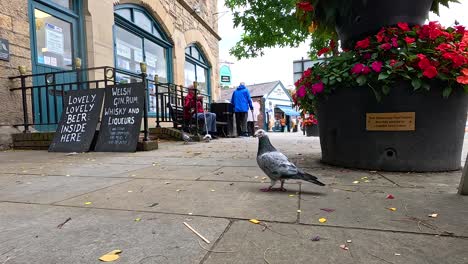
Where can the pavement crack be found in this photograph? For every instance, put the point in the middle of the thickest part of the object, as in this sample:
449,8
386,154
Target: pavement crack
388,179
218,240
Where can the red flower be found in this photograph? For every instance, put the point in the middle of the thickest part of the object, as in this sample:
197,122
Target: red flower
307,73
457,59
463,79
430,72
366,70
305,6
363,44
443,47
404,26
395,42
332,44
393,62
386,46
323,51
357,69
381,35
377,66
317,88
409,40
460,29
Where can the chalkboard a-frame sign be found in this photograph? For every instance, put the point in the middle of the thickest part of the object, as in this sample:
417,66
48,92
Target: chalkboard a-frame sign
121,118
79,119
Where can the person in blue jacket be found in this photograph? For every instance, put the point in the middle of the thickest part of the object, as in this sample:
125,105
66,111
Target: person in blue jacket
241,102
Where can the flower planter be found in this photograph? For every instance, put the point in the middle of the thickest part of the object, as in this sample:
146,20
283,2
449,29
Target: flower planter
435,145
366,19
312,131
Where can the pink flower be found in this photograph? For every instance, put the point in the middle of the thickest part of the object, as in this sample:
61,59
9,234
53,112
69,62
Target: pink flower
366,70
301,92
357,69
395,42
386,46
317,88
377,66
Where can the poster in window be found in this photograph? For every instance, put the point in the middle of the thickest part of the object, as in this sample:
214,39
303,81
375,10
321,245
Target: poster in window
151,60
123,50
123,64
138,55
54,39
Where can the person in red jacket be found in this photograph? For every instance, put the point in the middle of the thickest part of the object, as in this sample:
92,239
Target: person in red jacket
191,104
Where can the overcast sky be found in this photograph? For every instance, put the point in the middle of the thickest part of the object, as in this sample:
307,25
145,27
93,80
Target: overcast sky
276,64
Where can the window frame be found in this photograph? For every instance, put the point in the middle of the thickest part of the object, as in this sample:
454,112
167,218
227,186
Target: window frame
130,26
199,63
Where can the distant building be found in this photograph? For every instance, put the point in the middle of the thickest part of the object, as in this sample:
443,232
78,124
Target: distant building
299,66
272,100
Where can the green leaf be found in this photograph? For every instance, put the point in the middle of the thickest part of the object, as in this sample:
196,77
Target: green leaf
426,86
383,76
465,88
416,83
386,89
361,80
447,91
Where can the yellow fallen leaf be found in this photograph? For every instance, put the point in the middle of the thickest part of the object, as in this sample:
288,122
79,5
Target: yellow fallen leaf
291,195
264,178
88,203
254,221
322,220
392,209
355,182
111,256
299,211
213,190
433,215
130,191
364,178
137,219
366,181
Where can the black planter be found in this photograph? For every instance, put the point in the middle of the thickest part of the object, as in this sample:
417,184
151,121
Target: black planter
312,131
368,18
435,145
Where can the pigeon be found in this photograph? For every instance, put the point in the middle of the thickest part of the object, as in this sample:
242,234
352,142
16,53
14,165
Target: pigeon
186,138
277,166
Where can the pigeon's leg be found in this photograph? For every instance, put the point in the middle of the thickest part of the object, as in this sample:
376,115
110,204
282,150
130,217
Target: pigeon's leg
270,188
282,188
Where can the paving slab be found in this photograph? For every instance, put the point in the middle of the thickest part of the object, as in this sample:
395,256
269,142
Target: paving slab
32,236
49,189
71,168
286,243
367,207
172,172
330,176
446,181
220,199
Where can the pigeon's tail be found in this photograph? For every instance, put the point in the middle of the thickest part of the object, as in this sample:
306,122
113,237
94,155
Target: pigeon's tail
312,179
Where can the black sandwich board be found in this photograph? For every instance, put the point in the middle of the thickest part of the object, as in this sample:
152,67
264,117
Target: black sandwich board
80,117
121,118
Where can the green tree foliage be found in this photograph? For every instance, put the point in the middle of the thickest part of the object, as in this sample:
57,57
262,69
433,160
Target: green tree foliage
266,23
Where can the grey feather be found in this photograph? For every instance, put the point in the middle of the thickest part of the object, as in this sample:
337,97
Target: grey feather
277,166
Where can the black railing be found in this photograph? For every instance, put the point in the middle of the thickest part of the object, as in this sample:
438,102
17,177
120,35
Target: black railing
43,93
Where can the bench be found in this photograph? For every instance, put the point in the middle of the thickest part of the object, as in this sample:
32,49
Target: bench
177,116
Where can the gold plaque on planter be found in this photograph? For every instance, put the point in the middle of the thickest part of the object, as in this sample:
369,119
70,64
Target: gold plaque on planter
404,121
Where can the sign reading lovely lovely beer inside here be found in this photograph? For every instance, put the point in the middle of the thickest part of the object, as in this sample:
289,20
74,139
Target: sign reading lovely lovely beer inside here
78,123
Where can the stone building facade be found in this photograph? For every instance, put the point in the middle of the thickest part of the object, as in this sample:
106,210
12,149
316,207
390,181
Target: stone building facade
184,23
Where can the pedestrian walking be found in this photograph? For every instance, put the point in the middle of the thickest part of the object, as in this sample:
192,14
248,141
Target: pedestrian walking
241,102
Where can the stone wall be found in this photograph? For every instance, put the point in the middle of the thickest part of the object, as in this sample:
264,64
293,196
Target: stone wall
14,27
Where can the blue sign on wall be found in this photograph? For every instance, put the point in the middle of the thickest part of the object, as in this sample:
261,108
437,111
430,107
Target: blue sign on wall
225,75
